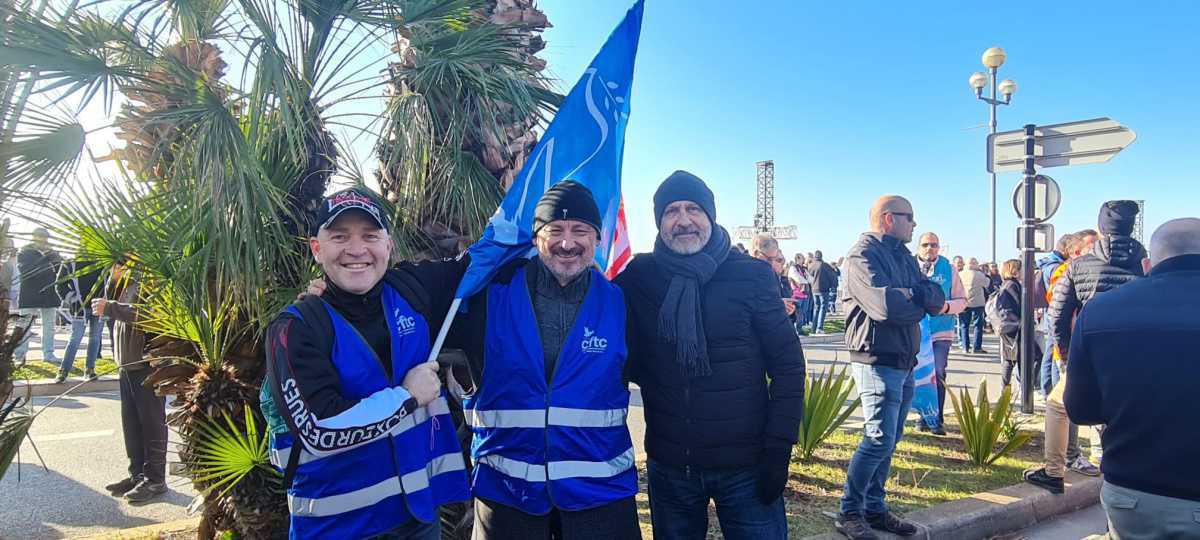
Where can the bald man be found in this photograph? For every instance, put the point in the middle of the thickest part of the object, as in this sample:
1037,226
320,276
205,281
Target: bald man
1132,365
887,295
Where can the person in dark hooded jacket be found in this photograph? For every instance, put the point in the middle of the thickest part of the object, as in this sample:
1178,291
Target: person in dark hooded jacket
1116,259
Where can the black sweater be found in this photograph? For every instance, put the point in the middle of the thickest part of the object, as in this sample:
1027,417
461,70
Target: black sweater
1133,366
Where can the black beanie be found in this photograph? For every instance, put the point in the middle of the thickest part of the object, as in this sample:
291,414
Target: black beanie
684,186
567,200
1118,217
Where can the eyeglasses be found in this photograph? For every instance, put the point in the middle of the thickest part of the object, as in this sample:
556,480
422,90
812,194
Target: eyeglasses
930,244
905,214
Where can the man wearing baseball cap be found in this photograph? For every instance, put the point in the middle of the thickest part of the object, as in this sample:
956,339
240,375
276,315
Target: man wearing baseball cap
358,421
545,342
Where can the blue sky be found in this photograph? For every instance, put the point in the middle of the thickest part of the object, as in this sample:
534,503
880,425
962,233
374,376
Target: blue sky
856,99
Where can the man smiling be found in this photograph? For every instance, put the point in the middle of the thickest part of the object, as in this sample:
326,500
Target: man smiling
356,416
545,342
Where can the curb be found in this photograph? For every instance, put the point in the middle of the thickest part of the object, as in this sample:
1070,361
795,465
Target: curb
74,385
155,531
838,337
1004,510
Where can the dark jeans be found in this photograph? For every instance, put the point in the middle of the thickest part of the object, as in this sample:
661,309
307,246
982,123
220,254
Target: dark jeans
616,520
144,423
679,503
886,394
413,530
971,316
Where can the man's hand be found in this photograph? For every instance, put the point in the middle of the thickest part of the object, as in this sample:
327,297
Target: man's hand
789,305
316,287
422,382
98,305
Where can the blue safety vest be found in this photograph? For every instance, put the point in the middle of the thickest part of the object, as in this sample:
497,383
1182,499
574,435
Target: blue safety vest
348,489
561,445
943,275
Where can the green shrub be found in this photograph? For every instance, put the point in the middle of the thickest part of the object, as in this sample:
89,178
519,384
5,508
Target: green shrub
982,425
825,408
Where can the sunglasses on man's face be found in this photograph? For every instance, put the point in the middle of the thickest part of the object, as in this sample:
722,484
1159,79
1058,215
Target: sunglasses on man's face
907,215
929,244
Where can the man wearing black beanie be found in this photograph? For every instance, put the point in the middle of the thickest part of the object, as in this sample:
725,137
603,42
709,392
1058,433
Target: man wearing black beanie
1116,259
545,342
707,331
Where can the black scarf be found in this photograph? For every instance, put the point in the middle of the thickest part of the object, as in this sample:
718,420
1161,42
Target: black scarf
679,319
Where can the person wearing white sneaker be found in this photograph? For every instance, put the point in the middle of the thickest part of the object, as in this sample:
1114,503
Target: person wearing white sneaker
1132,367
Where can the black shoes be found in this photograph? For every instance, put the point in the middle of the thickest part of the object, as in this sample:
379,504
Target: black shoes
146,491
939,430
891,523
91,375
120,488
854,527
1040,478
61,378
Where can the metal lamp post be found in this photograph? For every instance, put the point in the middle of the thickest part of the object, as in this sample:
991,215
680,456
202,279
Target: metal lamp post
993,58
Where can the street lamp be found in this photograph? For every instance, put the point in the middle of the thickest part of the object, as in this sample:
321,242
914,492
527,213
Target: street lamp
992,59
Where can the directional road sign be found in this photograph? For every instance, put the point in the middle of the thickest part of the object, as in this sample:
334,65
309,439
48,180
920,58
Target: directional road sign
1058,145
1046,198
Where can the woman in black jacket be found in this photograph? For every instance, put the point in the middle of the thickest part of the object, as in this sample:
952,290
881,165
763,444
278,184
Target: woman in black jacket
1008,303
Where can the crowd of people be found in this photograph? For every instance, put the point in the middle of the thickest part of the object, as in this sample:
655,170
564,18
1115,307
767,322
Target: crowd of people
362,424
45,289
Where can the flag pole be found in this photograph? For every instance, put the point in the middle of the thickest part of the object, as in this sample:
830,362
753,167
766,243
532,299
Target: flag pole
441,337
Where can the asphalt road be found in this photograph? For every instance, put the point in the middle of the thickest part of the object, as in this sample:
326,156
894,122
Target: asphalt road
80,441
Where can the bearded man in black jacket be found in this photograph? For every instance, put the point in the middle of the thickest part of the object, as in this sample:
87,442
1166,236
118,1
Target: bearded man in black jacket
707,331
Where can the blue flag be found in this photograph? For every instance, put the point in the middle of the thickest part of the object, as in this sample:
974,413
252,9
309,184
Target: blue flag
584,143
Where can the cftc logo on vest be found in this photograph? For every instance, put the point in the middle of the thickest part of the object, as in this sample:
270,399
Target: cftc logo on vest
593,343
404,325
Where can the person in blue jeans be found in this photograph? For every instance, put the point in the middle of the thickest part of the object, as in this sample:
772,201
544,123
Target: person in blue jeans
887,295
94,326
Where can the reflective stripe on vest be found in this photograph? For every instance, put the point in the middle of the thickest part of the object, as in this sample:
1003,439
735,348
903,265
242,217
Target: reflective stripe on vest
367,488
558,470
437,407
554,416
345,502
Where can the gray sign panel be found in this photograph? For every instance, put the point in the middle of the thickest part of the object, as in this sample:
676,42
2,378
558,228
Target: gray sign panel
1059,145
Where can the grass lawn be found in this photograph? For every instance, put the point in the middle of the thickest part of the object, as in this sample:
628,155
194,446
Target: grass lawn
37,369
833,326
926,470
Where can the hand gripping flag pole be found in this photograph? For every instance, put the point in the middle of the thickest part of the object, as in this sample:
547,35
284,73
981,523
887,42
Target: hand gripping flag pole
585,142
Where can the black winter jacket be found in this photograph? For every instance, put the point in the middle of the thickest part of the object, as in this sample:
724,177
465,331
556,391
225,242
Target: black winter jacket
754,397
1115,261
38,271
882,321
824,277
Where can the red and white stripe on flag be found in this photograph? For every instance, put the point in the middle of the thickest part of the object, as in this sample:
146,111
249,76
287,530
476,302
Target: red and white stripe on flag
621,253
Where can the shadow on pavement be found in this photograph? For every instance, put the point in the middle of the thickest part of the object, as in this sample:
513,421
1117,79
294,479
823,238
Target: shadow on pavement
46,504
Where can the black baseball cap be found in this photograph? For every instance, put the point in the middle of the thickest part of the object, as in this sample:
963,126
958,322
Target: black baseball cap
355,198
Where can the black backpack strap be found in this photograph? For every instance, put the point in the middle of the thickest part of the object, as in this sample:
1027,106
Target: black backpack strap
312,312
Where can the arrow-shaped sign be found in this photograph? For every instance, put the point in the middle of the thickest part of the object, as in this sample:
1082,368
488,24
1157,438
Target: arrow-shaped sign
1059,145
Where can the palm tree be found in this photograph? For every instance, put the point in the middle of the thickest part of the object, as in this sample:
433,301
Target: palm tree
456,139
220,173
